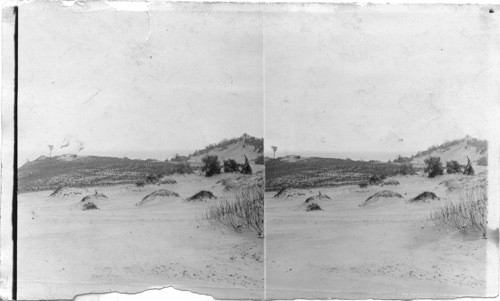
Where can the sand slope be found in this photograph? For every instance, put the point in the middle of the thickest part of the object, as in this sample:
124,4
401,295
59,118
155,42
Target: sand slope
387,250
64,251
235,151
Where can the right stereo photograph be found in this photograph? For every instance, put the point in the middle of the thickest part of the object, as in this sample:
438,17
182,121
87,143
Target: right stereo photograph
378,129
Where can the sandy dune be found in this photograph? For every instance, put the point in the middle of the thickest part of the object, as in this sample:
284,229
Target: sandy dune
385,250
64,251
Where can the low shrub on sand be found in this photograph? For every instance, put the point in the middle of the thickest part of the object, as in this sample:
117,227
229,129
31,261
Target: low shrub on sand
230,165
470,214
157,194
319,196
433,167
244,211
211,165
381,194
468,170
280,192
94,196
245,168
65,191
313,207
453,167
167,181
202,195
424,197
89,206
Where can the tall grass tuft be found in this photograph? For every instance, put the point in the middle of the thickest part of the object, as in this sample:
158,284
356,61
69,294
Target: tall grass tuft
470,214
244,211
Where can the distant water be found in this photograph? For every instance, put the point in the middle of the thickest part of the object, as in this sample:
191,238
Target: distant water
354,155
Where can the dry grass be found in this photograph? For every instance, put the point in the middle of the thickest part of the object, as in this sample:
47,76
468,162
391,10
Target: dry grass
469,214
244,211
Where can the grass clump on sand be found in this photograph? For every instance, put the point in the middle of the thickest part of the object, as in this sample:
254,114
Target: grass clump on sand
317,197
202,195
157,194
244,211
94,196
381,194
65,191
89,206
313,207
424,197
467,215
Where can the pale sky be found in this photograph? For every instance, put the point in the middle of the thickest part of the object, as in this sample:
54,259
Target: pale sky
379,79
126,82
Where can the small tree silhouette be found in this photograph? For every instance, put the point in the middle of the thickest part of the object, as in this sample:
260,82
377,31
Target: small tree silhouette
51,147
433,166
275,148
230,165
453,166
245,168
468,170
211,165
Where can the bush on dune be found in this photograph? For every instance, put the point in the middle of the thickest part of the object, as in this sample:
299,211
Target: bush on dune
453,167
433,167
183,168
313,207
89,206
230,165
468,215
211,165
245,168
245,211
407,169
468,170
153,178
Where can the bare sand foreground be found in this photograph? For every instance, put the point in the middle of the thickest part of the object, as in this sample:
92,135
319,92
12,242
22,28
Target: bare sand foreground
388,249
64,251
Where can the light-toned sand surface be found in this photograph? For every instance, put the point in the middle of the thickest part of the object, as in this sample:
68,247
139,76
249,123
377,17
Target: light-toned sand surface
387,249
64,251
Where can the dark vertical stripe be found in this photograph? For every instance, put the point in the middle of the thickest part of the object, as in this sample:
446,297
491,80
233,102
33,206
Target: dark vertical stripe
14,194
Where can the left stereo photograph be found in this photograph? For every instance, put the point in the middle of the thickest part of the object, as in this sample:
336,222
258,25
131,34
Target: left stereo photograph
139,150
